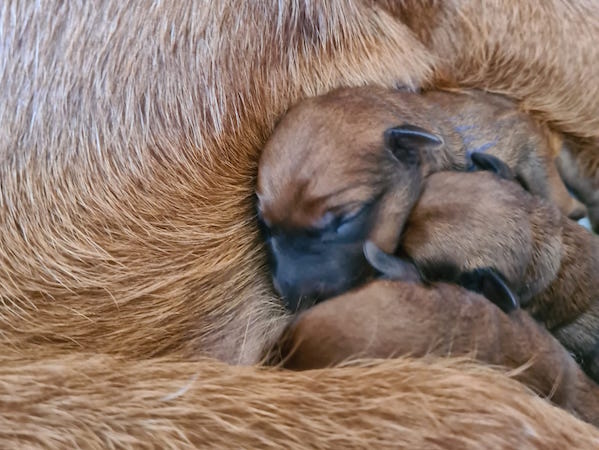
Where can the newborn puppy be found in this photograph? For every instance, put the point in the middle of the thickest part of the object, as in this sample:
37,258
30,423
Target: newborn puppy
349,165
387,318
479,220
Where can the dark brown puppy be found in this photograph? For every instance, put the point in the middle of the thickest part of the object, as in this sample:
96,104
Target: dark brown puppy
349,164
387,318
478,220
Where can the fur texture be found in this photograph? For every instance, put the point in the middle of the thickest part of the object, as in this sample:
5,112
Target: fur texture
548,260
333,156
167,403
389,318
129,136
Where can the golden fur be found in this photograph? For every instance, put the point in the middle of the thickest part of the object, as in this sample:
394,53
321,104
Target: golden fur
129,136
103,401
327,153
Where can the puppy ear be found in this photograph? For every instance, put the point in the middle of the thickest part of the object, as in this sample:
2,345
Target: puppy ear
485,161
405,142
492,285
390,266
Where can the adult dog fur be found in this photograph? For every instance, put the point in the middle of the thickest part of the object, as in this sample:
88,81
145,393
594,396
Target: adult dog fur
129,136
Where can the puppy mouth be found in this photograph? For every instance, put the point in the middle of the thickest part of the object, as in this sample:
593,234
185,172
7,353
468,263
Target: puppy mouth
310,268
323,291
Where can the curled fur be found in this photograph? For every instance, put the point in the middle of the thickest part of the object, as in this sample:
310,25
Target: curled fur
167,403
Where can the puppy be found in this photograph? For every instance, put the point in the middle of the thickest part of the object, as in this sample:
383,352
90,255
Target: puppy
479,220
349,165
387,318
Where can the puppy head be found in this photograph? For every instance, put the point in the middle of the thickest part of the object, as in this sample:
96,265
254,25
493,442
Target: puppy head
338,170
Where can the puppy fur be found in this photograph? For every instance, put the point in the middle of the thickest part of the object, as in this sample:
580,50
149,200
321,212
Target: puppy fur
332,156
129,139
549,261
386,318
336,129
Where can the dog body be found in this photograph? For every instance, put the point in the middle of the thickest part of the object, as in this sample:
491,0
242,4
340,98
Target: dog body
331,166
129,139
388,318
549,261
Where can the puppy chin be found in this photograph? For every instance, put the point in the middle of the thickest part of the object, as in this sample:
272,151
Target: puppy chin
300,297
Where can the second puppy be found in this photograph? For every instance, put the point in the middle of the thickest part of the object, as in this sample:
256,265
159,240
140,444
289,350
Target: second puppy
547,260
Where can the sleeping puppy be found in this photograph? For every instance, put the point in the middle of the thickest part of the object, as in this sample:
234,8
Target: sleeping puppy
384,319
481,221
349,165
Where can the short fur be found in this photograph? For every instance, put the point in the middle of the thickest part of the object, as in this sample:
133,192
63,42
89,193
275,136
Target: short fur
129,135
386,318
342,127
332,156
549,261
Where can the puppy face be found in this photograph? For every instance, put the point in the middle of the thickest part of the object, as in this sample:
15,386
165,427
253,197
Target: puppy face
335,173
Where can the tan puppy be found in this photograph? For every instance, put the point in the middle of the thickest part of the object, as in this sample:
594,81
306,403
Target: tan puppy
385,319
338,164
478,220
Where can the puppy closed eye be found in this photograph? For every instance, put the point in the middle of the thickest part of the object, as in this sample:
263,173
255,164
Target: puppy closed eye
346,223
341,225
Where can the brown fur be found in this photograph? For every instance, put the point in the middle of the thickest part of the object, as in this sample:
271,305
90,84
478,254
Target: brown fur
549,261
385,319
488,62
340,134
168,403
128,144
332,157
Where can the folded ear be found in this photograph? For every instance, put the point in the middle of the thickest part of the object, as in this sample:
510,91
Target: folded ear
405,142
390,266
492,285
485,161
